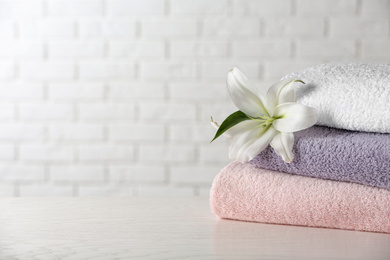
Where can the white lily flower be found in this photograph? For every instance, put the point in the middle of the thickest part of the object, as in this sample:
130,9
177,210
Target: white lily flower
273,118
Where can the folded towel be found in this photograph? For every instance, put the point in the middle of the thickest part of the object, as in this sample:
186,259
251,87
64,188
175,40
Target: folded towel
353,96
245,192
335,154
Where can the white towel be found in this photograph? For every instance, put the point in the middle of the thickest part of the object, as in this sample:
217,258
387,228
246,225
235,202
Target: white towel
352,96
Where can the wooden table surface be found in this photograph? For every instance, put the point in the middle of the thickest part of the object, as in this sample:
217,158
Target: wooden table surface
163,228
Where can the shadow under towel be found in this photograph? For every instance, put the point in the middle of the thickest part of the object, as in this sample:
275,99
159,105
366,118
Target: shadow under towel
335,154
244,192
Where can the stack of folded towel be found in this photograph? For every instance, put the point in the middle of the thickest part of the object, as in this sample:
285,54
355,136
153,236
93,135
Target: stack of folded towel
340,176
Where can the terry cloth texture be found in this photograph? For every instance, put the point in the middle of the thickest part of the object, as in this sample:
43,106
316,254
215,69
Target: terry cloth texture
335,154
245,192
353,96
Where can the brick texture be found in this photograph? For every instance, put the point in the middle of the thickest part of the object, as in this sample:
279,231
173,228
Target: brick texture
114,97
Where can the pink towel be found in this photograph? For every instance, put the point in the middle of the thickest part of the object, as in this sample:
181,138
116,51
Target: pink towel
244,192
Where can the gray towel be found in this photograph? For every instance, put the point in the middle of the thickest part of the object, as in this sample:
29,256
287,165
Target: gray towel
335,154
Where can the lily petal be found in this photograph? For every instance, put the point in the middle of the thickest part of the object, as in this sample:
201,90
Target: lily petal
294,117
243,94
242,127
280,92
283,144
240,133
238,141
245,147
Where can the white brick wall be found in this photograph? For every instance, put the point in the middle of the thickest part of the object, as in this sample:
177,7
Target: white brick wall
99,28
68,8
114,97
47,70
61,132
44,29
46,111
169,27
135,7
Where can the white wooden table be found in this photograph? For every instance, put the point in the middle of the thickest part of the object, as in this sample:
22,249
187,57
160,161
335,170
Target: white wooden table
163,228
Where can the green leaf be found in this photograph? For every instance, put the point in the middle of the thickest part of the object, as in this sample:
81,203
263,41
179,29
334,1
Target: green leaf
230,121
